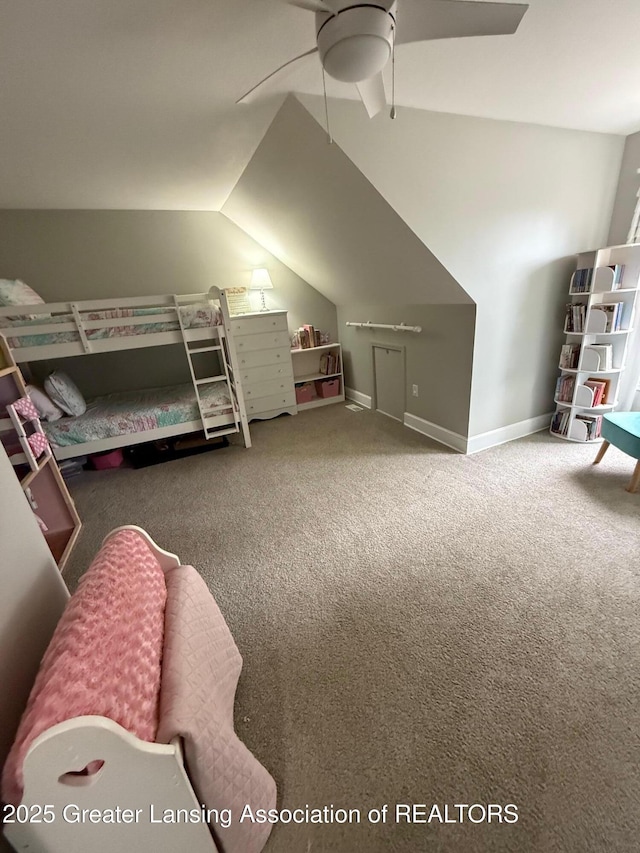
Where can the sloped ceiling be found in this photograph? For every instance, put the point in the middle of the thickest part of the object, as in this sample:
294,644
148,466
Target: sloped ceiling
305,201
131,103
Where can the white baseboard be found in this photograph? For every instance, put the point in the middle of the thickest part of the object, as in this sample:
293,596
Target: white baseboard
484,440
437,433
358,397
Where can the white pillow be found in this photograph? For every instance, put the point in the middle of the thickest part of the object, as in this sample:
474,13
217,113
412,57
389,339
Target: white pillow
47,409
65,393
18,293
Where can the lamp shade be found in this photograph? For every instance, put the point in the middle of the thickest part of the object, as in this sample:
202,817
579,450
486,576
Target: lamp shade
261,280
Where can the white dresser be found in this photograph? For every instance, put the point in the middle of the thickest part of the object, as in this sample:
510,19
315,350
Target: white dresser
264,357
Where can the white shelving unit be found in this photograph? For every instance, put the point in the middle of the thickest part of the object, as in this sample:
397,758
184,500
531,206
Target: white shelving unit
39,478
308,378
603,278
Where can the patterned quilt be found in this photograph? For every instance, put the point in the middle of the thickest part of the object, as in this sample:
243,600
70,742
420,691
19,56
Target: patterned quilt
193,317
136,411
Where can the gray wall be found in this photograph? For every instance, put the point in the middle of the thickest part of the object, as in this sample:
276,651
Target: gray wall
627,193
305,201
438,359
81,254
504,206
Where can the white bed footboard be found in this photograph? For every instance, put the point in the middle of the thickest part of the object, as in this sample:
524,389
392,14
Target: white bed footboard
122,805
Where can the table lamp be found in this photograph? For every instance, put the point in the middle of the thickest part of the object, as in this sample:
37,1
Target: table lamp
261,280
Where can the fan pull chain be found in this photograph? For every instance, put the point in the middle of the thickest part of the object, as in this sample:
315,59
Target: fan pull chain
326,107
393,75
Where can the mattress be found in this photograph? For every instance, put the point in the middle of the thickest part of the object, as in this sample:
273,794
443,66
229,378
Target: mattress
136,411
193,317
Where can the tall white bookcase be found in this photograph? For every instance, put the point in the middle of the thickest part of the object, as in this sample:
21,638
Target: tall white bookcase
592,327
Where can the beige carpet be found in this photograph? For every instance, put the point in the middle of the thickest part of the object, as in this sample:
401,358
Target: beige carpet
417,626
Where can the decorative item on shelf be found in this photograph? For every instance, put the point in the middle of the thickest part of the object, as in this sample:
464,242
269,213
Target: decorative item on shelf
261,280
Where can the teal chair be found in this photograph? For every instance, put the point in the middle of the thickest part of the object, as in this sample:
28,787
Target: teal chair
622,429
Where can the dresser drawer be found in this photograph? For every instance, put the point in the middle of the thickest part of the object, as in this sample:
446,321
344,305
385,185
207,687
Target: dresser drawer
274,401
256,325
254,375
266,389
268,340
265,357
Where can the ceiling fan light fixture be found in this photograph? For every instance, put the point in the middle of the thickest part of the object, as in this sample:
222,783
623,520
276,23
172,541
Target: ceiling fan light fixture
355,43
357,58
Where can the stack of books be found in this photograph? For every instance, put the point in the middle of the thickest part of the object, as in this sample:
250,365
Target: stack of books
569,356
613,311
574,321
330,363
581,281
600,388
307,337
561,420
603,354
564,389
593,424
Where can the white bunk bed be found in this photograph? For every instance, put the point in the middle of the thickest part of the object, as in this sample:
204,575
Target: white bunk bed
201,322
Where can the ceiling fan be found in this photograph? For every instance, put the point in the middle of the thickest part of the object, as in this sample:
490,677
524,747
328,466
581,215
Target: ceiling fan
355,40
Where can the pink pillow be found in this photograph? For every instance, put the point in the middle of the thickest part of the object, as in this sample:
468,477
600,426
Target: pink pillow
105,654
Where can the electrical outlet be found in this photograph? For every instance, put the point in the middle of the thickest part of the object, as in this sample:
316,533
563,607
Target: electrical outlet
415,390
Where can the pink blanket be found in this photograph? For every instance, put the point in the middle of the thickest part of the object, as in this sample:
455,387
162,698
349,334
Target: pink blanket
104,656
200,670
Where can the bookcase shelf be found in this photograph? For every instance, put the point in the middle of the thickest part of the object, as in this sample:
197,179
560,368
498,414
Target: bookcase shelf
599,320
314,387
40,479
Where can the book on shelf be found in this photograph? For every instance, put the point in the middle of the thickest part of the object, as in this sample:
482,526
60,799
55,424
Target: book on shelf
593,423
613,313
569,356
308,337
599,389
597,357
562,420
581,280
564,389
575,317
608,278
330,363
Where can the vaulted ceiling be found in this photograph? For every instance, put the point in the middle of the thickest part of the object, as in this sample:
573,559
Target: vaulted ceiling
131,103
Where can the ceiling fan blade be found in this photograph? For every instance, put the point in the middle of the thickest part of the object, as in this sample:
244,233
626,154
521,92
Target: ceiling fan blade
372,94
311,5
424,20
253,93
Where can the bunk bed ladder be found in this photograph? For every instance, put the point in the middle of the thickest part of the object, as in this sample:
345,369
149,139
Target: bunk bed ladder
231,366
196,382
206,412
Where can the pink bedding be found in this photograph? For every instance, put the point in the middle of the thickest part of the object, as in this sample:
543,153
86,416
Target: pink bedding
105,655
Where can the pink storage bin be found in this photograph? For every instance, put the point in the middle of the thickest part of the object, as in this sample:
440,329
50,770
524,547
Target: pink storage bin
103,461
304,393
327,387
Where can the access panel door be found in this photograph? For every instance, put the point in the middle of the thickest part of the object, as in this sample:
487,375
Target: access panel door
388,368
